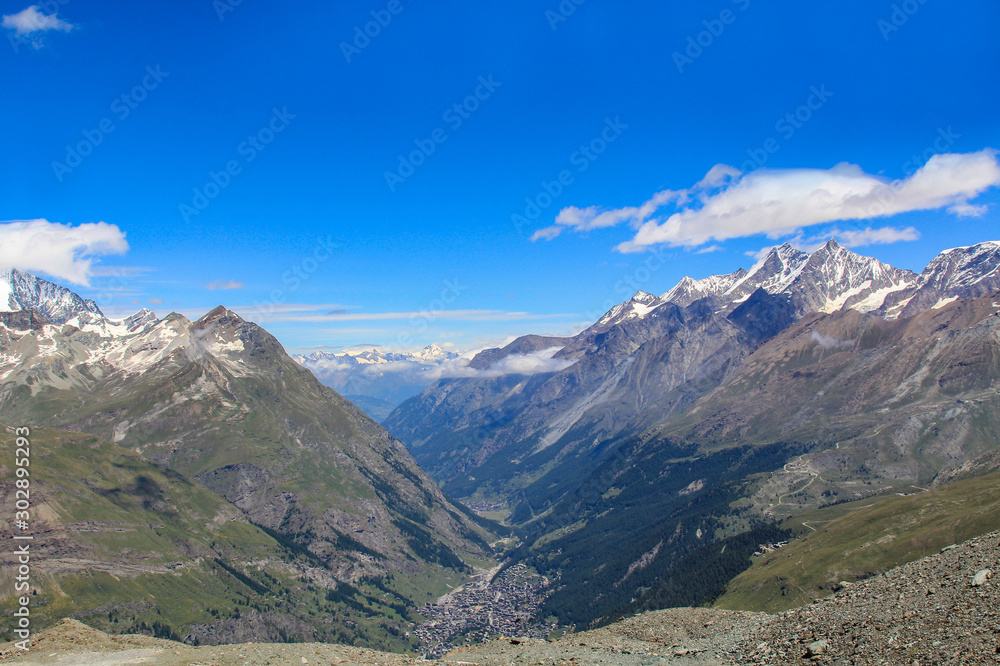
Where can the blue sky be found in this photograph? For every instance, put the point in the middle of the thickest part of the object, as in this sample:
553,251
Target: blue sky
250,154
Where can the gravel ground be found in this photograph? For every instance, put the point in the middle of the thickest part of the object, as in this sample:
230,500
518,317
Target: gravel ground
932,611
943,609
678,636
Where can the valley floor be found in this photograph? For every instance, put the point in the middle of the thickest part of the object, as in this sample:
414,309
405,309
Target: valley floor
942,609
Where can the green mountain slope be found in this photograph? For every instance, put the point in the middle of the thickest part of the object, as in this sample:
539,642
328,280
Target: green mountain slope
130,546
865,542
219,402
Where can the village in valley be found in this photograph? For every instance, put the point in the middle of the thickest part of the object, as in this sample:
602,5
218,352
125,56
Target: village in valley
497,603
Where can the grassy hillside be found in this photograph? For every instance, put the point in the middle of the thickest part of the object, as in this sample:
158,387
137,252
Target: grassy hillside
865,542
221,403
127,545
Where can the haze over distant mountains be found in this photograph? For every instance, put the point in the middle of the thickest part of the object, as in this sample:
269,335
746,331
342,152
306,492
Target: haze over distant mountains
375,379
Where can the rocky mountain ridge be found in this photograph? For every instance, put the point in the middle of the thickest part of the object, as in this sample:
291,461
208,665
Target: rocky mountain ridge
23,291
218,401
676,426
833,278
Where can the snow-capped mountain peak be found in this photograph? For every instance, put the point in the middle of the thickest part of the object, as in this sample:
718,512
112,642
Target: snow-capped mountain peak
689,290
20,291
637,307
23,291
835,278
960,272
774,272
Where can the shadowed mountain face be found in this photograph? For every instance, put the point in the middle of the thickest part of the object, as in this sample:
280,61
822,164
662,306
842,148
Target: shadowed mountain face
514,434
683,422
905,398
835,407
218,401
648,360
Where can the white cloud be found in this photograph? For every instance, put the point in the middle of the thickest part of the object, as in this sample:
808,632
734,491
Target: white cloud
968,210
587,219
61,251
718,175
31,21
869,236
415,317
534,363
847,237
829,342
710,248
780,202
548,233
223,284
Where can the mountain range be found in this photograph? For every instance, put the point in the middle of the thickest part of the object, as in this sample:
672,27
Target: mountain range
638,462
377,380
722,405
218,403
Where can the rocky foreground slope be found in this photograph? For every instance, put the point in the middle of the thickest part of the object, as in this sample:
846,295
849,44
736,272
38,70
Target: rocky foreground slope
942,609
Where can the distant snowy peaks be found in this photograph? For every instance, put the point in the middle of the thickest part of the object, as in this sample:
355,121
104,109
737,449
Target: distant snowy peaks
636,307
20,291
23,291
961,272
834,278
429,355
434,353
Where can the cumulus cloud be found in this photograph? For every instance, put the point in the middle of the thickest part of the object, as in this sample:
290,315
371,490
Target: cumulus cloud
223,284
778,202
727,204
30,21
61,251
